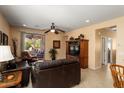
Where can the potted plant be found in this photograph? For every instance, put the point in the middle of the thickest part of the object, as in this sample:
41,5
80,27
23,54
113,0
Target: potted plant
53,53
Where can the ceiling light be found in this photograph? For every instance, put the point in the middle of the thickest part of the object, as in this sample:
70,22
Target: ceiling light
24,24
52,30
114,29
87,21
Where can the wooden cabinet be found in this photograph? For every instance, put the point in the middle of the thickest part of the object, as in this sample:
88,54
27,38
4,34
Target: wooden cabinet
84,53
82,57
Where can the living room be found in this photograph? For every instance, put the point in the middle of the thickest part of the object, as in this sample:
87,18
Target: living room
21,26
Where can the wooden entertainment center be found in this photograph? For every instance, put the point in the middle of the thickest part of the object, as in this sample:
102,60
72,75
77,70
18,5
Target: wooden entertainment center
78,50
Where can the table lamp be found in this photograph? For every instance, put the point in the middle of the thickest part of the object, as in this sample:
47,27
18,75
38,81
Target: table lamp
5,55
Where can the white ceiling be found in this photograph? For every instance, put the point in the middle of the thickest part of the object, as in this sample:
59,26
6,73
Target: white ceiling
65,17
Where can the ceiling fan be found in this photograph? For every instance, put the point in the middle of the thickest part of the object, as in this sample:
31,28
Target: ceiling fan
54,29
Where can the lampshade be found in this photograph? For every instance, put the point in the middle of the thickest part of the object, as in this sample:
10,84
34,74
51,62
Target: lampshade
5,54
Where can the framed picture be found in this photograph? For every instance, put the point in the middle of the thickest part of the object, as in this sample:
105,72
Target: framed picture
56,44
0,38
5,39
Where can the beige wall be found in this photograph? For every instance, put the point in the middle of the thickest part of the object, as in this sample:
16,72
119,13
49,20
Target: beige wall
49,44
4,27
16,34
98,49
89,31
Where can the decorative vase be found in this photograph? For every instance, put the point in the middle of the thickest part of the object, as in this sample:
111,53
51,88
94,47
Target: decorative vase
81,36
71,38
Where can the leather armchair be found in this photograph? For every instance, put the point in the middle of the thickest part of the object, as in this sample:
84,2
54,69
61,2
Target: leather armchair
27,56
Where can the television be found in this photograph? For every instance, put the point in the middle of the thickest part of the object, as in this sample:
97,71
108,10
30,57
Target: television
74,49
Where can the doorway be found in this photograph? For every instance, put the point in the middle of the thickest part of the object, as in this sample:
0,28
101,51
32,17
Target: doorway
106,50
105,46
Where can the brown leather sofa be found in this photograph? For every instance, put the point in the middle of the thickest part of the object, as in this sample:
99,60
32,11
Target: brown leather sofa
55,74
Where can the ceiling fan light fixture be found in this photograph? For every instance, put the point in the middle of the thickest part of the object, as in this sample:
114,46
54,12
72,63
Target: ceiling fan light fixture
87,21
52,30
24,25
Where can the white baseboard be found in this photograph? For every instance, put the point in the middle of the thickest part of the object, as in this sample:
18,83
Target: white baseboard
98,67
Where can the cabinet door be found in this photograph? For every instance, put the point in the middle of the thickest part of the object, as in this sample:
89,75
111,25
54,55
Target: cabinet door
84,53
84,62
84,48
67,48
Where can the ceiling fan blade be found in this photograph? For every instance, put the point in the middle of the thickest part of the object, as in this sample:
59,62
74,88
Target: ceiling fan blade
56,32
47,31
60,30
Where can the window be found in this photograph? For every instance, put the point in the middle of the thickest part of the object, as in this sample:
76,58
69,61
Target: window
34,43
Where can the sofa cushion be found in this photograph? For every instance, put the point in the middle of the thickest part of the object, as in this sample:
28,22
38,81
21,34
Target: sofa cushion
49,64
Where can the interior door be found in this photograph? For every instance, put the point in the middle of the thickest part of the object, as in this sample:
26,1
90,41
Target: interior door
110,47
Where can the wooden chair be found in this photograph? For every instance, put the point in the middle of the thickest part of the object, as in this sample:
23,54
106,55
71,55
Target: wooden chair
117,72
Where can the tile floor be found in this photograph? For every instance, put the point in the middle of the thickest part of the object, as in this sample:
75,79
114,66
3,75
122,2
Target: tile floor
100,78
